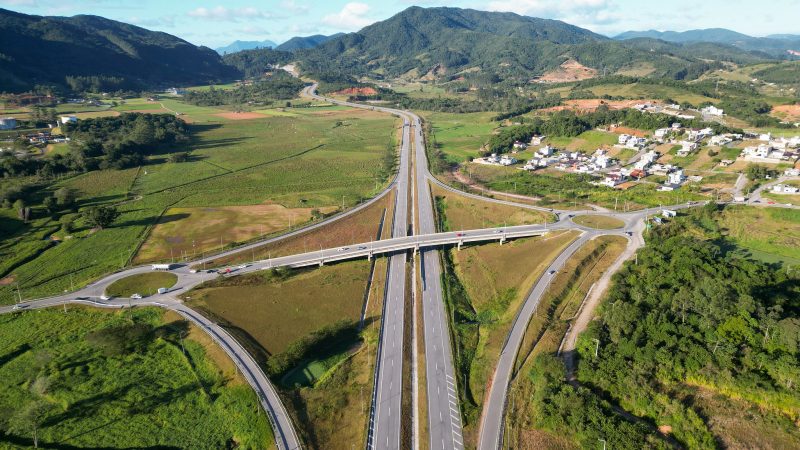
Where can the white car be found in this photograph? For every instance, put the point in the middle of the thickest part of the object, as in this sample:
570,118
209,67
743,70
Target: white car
343,249
18,307
136,296
105,297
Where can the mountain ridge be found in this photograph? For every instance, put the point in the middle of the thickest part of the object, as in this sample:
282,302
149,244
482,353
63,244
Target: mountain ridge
237,46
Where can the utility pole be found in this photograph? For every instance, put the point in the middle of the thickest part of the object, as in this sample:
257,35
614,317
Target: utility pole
19,293
604,443
596,346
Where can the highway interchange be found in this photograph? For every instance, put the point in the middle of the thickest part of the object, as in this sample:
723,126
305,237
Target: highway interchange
444,416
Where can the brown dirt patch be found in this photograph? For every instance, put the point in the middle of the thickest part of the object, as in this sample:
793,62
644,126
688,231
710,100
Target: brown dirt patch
357,91
626,130
537,440
787,112
7,280
590,105
570,70
240,115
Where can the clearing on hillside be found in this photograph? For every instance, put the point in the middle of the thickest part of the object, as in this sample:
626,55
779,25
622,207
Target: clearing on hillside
570,70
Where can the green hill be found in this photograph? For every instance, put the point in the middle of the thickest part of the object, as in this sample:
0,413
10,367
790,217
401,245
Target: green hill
441,42
46,50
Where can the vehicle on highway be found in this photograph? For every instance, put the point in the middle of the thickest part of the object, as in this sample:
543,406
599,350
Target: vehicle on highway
82,297
106,297
552,272
19,306
243,266
136,296
342,249
770,203
362,247
499,231
211,270
162,290
162,266
460,234
629,233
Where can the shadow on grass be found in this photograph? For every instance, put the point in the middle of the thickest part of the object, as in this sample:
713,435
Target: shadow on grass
8,357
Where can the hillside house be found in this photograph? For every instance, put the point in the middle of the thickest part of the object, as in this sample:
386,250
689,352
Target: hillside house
537,140
613,179
785,189
68,119
519,145
507,160
687,147
546,151
712,111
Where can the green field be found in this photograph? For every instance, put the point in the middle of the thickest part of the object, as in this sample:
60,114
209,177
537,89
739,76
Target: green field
588,141
649,92
768,234
599,222
318,160
460,136
96,379
142,284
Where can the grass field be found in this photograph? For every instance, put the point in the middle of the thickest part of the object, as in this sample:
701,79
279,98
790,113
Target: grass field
647,91
769,234
121,380
142,284
588,141
464,213
460,136
320,160
599,222
277,313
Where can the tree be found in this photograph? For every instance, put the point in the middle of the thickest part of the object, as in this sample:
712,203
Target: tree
50,204
66,223
101,217
22,209
178,157
65,197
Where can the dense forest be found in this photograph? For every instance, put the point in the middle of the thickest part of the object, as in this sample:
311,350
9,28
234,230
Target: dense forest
693,311
256,62
278,86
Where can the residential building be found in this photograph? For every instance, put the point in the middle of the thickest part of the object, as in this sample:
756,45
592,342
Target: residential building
507,160
546,151
785,189
712,111
68,119
8,123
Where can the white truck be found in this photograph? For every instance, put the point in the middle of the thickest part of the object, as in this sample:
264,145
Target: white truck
162,266
162,290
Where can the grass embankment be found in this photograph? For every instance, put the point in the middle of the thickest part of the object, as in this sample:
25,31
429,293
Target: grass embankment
303,327
599,222
484,286
545,331
464,213
143,284
312,161
98,379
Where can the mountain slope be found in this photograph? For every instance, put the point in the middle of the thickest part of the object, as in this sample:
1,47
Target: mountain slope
441,42
301,43
45,50
237,46
775,45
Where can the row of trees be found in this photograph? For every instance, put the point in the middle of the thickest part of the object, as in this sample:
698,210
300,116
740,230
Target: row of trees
279,86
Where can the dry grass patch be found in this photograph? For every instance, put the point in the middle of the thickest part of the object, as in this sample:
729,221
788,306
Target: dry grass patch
599,222
142,284
188,232
359,227
464,213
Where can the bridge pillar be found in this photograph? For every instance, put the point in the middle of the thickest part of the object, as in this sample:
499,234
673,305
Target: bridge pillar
369,256
416,249
460,243
502,239
321,262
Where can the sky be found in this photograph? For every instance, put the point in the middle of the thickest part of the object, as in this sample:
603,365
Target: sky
215,23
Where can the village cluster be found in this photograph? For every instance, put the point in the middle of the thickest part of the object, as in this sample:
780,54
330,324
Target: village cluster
612,172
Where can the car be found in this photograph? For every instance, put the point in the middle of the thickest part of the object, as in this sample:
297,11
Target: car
460,234
770,203
756,201
82,297
106,297
342,249
163,290
136,296
19,306
362,247
629,233
499,231
552,272
571,216
211,270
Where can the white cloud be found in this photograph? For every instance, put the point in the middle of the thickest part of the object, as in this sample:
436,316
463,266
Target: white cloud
293,7
228,14
351,17
18,3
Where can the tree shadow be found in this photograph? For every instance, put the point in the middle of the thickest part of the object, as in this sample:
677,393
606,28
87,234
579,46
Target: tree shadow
8,357
148,221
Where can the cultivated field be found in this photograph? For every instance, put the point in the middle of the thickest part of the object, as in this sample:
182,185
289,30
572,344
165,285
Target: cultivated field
769,234
121,380
464,213
312,161
460,136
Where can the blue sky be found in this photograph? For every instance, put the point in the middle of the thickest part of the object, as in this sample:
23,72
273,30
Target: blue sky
219,22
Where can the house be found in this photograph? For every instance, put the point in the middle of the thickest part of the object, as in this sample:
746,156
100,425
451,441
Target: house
726,162
791,172
638,174
720,140
8,123
765,153
646,160
677,126
68,119
712,111
546,151
176,91
668,213
613,179
537,140
660,169
507,160
662,133
765,137
623,139
687,147
785,189
603,161
519,145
